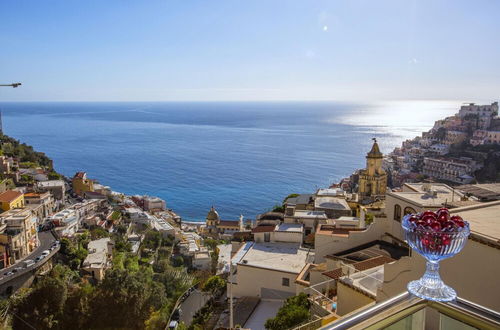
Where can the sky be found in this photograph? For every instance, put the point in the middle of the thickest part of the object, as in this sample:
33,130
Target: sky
250,50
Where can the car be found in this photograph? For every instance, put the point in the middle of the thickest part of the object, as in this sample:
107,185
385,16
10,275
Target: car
39,258
45,253
8,273
28,263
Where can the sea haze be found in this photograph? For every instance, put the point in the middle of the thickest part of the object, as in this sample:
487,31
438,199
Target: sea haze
241,157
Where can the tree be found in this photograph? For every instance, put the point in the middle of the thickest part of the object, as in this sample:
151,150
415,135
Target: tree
213,284
293,312
98,233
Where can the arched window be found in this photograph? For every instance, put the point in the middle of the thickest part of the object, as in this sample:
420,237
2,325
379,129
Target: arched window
409,210
397,212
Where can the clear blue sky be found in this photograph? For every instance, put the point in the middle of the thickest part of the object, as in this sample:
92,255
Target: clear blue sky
250,50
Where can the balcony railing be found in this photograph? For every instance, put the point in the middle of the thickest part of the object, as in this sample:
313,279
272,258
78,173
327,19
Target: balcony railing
406,311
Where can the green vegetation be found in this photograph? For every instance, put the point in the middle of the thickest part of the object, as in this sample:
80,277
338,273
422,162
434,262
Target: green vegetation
368,219
214,284
292,313
133,295
279,208
13,148
116,215
73,253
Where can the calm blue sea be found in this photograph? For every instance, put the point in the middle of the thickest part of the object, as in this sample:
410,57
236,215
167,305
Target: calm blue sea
242,157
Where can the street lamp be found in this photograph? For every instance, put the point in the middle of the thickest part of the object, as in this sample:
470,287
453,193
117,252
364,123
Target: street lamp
15,85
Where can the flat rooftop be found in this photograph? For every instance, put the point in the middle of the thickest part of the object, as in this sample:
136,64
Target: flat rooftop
484,219
310,214
291,227
485,191
332,203
330,192
51,183
426,199
287,257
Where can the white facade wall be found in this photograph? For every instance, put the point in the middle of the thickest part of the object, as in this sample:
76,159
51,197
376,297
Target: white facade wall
325,244
252,281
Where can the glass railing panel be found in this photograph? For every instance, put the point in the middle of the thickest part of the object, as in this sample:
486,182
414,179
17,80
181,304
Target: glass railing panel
448,323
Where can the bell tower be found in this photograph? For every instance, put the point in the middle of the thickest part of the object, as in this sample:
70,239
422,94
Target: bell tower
373,179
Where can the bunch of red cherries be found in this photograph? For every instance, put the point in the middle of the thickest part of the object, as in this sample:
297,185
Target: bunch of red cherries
436,226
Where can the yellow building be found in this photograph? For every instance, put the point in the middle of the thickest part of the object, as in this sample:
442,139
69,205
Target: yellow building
373,179
82,184
11,199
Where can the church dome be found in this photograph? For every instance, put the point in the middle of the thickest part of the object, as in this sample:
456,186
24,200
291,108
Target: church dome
212,214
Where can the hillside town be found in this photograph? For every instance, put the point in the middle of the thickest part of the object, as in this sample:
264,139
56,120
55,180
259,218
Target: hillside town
323,254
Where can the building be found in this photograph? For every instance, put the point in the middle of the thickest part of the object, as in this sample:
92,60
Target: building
485,192
440,148
458,170
154,204
66,222
99,258
219,228
454,137
268,270
333,207
373,179
483,114
11,199
44,199
20,222
284,232
82,184
202,260
56,187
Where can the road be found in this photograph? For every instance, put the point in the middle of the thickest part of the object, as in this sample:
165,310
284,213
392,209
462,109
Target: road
46,240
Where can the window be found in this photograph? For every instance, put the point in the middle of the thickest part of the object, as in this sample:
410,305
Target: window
409,210
397,212
285,281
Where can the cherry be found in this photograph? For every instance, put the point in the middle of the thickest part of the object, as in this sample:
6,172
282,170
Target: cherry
427,213
435,225
460,223
421,223
413,219
446,239
443,217
428,219
449,225
456,218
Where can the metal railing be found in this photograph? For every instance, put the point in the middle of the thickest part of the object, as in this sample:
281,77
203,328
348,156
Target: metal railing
384,314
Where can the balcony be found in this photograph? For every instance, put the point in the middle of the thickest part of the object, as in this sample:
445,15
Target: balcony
406,311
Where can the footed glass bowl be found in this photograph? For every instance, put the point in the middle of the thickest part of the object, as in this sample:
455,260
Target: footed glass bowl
434,246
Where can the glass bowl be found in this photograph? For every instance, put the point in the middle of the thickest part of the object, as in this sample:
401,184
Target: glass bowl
434,246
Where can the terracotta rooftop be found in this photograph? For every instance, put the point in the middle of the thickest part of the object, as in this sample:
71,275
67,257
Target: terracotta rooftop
80,175
9,196
229,223
263,229
335,274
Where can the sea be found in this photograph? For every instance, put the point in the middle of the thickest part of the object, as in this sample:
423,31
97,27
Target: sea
241,157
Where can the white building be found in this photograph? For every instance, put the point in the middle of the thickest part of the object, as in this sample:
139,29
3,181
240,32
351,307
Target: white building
99,258
268,270
66,222
154,204
284,232
202,260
